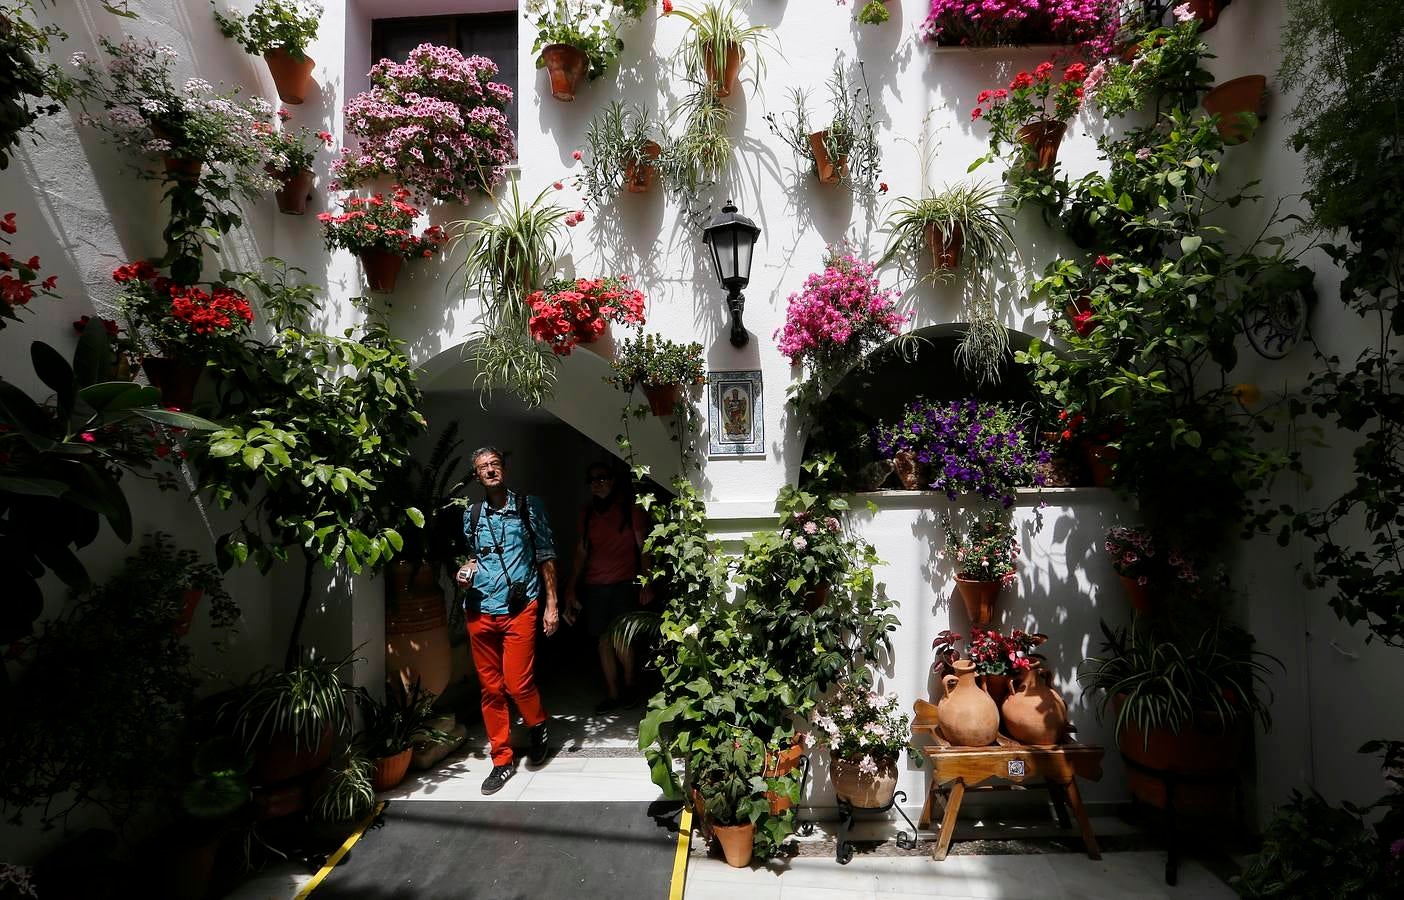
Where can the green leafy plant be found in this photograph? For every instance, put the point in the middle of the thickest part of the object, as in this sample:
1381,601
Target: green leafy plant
850,137
289,25
585,26
221,785
699,155
1164,68
25,80
431,488
402,720
617,138
874,12
984,546
728,778
651,360
349,794
1315,851
973,213
288,150
303,702
859,724
714,30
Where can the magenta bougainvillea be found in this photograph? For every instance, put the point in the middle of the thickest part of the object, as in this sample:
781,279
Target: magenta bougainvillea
435,123
841,310
986,23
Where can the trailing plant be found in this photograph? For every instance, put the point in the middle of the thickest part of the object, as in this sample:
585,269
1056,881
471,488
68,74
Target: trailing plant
61,461
179,321
849,138
573,310
1136,554
874,12
17,289
1000,654
992,23
115,656
1165,68
288,151
699,155
973,447
654,361
1340,59
972,214
25,79
714,29
289,25
349,794
984,545
435,123
380,223
618,138
586,26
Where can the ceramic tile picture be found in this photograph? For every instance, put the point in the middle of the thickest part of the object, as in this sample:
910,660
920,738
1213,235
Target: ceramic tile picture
736,414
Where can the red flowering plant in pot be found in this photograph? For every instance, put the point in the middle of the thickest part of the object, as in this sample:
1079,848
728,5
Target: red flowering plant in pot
290,161
985,550
1032,113
19,279
178,326
380,231
570,311
1000,657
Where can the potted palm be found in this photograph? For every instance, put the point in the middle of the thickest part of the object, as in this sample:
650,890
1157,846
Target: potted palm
290,162
622,152
661,367
380,231
716,45
393,728
729,784
575,43
280,31
985,549
847,150
865,733
963,223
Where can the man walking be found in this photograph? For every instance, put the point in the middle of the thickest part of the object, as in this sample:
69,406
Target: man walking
508,564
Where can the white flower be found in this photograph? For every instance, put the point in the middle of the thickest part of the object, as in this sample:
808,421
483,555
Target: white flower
167,50
867,765
1183,13
152,106
260,107
845,712
197,86
79,59
807,740
692,630
800,543
827,724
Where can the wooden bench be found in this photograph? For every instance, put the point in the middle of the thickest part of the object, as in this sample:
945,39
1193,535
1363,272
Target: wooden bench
953,769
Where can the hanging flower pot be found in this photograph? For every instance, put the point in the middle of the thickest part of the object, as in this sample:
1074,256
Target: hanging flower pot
1100,458
296,190
946,249
641,174
1206,11
864,790
182,167
1139,595
174,378
725,81
1042,139
291,75
738,843
979,598
598,340
381,268
831,171
662,398
566,66
390,770
1230,100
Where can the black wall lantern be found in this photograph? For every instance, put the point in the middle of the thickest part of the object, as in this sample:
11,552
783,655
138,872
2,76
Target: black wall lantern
731,238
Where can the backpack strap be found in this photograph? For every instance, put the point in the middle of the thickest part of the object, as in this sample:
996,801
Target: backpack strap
524,513
475,512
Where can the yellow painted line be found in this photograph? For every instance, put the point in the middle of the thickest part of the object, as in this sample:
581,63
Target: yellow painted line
675,892
340,852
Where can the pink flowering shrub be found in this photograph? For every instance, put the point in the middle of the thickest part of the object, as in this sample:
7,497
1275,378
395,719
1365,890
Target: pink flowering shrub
989,23
434,123
841,312
1134,555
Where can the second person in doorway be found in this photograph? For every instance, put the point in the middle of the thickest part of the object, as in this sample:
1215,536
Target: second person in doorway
604,584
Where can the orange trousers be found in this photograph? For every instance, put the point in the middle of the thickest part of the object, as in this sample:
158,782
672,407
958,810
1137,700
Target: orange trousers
504,653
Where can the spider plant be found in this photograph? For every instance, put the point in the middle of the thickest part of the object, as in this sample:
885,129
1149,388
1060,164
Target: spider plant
968,214
699,155
302,703
1174,677
715,29
617,138
349,794
850,136
402,720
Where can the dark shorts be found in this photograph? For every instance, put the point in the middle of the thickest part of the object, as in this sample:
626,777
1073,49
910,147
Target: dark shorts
606,602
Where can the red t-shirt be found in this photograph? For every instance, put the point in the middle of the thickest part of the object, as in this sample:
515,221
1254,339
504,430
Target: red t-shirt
611,545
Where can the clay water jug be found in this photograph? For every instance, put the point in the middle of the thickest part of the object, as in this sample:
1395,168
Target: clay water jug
1034,712
969,718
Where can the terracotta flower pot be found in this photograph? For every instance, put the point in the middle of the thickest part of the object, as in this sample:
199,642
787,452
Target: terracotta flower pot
816,597
1138,594
1201,747
416,629
189,602
979,598
831,171
1206,11
176,379
290,74
726,81
1035,713
182,167
860,790
566,66
946,250
381,269
662,398
641,175
997,686
390,770
1042,139
280,759
738,843
600,343
908,470
296,190
968,716
1231,100
782,763
1100,458
279,801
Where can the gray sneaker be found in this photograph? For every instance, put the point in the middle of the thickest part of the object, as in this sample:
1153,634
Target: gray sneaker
498,777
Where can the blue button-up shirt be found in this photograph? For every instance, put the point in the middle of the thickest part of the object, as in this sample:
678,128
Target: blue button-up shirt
502,529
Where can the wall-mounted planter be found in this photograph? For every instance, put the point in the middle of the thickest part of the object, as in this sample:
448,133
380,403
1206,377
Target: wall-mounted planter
174,378
831,171
979,598
1206,11
662,398
381,269
1231,100
566,67
296,191
182,167
641,175
725,82
1042,139
946,249
290,75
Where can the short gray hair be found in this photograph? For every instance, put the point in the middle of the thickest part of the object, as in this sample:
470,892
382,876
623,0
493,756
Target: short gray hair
488,450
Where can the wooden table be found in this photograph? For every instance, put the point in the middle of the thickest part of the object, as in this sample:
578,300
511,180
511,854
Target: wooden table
1055,768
